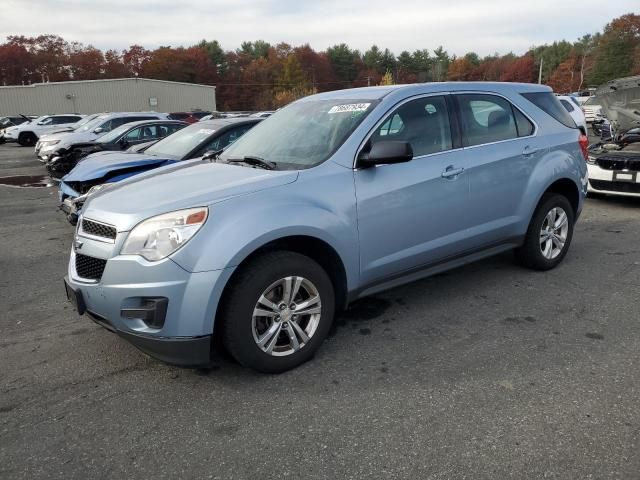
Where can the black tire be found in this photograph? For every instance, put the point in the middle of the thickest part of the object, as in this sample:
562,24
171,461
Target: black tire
243,293
27,139
530,253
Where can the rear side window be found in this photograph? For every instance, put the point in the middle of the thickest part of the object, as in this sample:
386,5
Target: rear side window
547,102
567,105
486,119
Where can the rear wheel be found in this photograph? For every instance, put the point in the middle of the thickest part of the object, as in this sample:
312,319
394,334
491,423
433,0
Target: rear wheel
27,139
549,234
277,312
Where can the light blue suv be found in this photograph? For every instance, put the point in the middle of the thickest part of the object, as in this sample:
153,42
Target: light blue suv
337,196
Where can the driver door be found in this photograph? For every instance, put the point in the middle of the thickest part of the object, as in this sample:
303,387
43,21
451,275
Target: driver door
413,214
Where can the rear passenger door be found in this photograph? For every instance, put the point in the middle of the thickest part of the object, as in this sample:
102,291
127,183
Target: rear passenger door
501,150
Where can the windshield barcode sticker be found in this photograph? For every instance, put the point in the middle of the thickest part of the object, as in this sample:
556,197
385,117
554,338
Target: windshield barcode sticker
350,107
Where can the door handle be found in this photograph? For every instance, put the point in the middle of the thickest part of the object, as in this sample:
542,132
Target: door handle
452,172
528,151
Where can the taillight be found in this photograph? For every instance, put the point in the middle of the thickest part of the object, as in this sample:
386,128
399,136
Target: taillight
583,141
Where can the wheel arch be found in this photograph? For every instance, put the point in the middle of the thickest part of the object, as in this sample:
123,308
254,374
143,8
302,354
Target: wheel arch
567,188
313,247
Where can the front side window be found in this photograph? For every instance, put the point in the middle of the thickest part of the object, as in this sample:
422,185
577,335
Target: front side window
302,134
486,119
423,123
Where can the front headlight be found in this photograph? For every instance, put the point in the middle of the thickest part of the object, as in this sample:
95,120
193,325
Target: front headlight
50,143
97,188
158,237
591,159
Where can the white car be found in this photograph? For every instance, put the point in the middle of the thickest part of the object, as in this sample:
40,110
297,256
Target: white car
572,106
614,167
90,131
28,133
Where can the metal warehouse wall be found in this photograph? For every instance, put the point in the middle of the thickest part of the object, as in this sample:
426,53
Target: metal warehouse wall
92,96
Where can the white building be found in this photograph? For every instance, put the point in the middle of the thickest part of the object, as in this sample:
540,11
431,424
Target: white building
109,95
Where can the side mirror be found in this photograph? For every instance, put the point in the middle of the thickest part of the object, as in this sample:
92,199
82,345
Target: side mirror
123,143
98,130
386,152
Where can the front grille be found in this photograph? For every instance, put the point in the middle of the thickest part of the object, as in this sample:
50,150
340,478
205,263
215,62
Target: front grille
98,229
622,187
89,267
615,162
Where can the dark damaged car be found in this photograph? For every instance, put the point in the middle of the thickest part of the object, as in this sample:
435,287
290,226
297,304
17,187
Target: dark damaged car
118,139
99,170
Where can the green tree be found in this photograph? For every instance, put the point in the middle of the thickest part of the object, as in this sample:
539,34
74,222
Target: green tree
343,61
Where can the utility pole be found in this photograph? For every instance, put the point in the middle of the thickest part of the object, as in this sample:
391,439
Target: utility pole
368,81
540,72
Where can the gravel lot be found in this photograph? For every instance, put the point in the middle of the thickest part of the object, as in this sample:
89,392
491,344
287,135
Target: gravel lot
489,371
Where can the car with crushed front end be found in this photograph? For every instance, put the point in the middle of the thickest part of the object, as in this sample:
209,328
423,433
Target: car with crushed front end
103,169
118,139
614,163
335,197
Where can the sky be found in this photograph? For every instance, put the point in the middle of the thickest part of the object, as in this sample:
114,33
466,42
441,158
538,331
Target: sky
460,26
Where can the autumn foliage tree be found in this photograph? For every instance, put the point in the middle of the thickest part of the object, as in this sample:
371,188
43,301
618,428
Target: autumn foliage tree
259,75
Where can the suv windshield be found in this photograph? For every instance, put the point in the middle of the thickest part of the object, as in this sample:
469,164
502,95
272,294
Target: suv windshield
303,134
83,121
92,124
182,142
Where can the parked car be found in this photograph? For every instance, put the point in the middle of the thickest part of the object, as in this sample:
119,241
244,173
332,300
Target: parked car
335,197
102,124
11,121
189,117
27,134
110,167
614,164
575,112
118,139
592,109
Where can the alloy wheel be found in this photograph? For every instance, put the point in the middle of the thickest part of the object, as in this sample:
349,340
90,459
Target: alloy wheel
554,232
286,316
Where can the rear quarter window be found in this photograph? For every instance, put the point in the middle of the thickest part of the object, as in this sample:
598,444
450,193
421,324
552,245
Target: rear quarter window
548,103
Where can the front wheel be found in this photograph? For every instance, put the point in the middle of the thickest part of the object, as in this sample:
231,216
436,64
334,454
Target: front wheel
549,234
27,139
277,312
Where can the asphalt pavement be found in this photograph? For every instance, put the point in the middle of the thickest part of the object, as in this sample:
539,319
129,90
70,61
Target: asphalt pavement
490,371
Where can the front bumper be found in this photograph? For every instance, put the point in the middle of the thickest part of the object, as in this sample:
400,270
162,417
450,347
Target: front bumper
184,337
625,183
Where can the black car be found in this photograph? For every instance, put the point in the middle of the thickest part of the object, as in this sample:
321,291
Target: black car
121,138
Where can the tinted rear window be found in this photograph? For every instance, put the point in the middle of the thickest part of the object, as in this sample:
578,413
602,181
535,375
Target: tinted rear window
548,102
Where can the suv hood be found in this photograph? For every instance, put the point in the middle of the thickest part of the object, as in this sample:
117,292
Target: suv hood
69,138
620,100
189,183
98,164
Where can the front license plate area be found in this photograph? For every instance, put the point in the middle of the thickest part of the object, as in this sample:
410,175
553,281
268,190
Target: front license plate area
75,297
624,176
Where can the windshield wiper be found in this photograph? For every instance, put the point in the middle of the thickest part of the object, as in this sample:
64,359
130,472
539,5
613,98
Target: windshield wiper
254,161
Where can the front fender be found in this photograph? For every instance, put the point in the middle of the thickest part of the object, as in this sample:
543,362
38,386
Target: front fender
238,227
